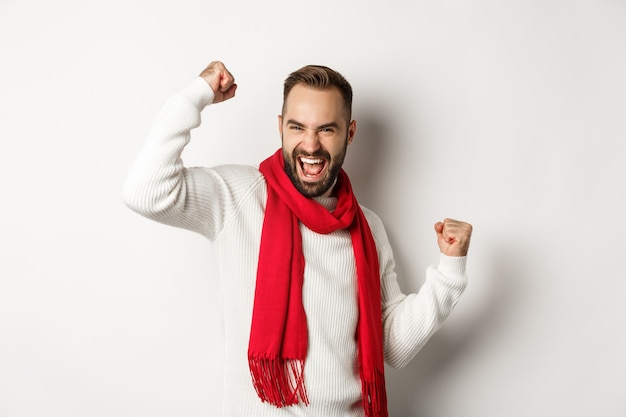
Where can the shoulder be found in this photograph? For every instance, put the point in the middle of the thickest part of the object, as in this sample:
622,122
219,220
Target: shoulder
383,247
370,215
375,223
238,179
238,172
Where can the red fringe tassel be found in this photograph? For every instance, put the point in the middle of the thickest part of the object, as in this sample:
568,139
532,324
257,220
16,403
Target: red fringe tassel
279,381
374,396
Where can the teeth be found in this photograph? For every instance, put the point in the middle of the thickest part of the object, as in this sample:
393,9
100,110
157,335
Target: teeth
311,161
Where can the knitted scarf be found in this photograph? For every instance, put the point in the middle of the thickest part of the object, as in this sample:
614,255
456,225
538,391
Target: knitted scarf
278,337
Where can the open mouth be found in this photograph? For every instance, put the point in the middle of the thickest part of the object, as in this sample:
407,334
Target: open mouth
311,169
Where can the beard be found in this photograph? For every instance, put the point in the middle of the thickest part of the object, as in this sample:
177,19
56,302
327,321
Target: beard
318,188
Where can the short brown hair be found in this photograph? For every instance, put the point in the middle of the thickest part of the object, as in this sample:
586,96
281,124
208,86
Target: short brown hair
320,77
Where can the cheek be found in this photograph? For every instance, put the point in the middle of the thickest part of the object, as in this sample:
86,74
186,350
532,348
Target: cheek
287,144
335,147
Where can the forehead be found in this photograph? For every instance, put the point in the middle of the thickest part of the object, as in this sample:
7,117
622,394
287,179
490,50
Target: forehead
314,105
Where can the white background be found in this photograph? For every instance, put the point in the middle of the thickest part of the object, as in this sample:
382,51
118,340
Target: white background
509,115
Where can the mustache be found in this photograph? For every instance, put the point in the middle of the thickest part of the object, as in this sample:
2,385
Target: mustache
318,154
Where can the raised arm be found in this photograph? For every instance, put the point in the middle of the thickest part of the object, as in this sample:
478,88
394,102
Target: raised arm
410,320
158,185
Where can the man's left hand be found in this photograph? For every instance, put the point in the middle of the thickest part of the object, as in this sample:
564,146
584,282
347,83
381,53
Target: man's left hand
453,237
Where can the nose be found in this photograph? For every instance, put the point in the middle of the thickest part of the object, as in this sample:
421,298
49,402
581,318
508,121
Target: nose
310,142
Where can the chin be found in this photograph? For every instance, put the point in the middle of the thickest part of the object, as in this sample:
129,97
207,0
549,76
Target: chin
311,190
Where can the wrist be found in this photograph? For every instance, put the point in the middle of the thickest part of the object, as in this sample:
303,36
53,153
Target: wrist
199,92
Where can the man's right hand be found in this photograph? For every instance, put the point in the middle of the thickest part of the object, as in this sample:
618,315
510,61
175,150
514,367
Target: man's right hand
220,80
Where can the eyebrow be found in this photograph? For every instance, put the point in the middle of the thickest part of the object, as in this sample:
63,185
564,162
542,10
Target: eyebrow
322,126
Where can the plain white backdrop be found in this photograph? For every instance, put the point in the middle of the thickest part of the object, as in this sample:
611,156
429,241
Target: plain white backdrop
509,115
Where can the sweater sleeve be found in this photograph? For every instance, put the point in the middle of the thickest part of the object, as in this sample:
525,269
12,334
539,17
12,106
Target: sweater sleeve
158,185
409,320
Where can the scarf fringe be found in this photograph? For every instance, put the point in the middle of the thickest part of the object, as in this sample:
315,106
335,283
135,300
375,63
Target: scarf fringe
279,381
374,395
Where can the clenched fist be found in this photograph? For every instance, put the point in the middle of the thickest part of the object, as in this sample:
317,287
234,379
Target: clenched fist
453,237
221,81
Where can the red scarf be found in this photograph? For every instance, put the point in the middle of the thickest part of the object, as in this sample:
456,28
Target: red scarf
278,337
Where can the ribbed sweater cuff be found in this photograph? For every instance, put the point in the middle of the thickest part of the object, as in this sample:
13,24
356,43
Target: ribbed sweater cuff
199,92
453,267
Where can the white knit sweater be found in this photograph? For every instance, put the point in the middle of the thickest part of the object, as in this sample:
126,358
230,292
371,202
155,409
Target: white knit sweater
226,204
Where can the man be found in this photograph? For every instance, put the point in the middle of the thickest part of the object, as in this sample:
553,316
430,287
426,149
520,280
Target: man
312,305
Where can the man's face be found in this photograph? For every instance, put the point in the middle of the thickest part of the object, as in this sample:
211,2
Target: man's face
315,134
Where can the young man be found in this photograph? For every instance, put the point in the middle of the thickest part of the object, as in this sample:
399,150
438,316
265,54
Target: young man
312,305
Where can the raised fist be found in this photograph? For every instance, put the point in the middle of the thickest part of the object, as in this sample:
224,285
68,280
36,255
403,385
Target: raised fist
221,81
453,237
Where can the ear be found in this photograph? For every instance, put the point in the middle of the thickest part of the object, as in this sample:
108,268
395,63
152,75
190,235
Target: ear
280,124
351,131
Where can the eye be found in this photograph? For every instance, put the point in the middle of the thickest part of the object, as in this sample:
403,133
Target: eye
327,130
295,128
